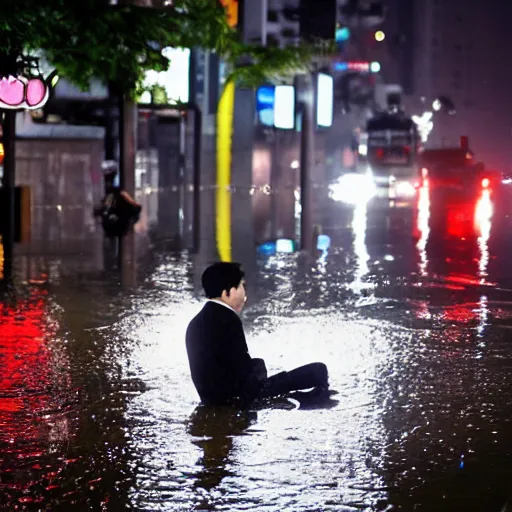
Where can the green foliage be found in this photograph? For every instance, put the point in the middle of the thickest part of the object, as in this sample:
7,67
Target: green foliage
252,65
89,38
158,95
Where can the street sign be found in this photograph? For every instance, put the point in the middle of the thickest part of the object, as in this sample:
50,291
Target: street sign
19,92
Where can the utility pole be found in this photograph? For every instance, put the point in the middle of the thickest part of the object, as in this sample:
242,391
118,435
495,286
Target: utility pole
127,143
305,88
275,181
8,185
8,67
111,124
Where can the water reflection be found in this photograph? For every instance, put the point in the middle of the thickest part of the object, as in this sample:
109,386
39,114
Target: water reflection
359,223
34,422
461,250
214,430
423,218
413,403
483,217
483,221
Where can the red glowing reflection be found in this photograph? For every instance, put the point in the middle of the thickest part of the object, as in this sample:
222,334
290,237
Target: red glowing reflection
422,227
463,220
32,419
24,356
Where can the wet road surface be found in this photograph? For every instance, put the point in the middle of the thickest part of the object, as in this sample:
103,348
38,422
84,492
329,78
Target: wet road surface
97,410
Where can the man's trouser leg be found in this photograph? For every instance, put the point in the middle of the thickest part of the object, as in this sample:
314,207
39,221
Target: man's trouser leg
311,375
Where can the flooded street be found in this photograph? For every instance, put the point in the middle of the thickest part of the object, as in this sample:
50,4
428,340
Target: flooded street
98,412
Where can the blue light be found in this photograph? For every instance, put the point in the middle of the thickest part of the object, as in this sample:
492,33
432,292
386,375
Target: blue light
265,99
342,34
267,249
323,242
285,245
265,95
340,66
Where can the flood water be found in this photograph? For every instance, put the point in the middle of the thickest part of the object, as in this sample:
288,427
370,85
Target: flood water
97,410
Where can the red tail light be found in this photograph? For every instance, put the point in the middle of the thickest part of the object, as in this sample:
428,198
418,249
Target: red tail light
486,182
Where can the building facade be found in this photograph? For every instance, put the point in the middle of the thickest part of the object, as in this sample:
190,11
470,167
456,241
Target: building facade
461,50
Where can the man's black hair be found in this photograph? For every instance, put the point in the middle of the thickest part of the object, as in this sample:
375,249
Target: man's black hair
221,276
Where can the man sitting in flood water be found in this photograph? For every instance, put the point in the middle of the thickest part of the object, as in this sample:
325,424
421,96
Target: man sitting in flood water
222,370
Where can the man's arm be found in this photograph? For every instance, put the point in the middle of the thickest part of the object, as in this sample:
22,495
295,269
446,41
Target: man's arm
240,360
237,351
130,200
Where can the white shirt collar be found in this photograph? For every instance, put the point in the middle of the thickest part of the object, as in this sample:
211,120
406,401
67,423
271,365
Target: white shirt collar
218,301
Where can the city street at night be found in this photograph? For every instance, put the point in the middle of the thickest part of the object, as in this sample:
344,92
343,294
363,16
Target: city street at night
255,255
98,412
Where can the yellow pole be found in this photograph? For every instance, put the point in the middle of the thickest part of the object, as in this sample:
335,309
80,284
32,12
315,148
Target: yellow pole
223,192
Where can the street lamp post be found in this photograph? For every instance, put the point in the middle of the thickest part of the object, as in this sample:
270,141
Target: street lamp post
8,67
22,88
306,104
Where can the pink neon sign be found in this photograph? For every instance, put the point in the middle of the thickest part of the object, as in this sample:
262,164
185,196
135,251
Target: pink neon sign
17,93
359,66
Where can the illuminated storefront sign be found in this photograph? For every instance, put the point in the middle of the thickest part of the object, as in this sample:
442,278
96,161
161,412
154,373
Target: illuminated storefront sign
21,93
325,100
284,107
265,99
275,106
361,66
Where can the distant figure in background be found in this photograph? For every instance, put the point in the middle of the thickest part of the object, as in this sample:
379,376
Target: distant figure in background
222,370
118,209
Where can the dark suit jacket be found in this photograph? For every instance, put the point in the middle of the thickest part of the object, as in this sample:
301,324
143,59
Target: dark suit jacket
220,364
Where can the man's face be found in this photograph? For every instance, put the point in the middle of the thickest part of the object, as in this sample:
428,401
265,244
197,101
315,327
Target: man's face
236,298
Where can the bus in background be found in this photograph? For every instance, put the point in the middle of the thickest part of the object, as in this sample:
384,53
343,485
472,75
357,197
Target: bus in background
389,151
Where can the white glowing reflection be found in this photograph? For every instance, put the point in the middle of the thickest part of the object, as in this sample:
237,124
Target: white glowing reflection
404,189
316,337
359,224
423,227
425,125
483,315
483,221
322,261
323,245
199,459
353,189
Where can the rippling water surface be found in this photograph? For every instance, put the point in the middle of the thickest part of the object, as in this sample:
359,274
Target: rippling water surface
97,410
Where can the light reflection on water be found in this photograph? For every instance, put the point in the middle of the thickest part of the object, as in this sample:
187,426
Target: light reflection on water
483,217
483,220
423,226
34,389
418,394
361,251
282,450
277,455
